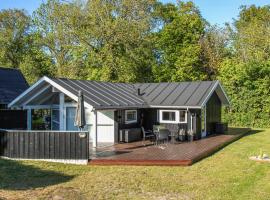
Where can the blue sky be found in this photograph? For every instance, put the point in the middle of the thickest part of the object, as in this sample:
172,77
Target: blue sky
214,11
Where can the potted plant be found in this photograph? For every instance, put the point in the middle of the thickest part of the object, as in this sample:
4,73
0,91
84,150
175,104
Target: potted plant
182,135
190,136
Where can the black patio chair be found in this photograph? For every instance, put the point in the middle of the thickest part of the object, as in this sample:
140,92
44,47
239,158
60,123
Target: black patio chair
148,135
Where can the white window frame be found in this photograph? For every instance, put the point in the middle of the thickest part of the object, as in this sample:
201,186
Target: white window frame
67,105
183,122
53,121
132,121
177,117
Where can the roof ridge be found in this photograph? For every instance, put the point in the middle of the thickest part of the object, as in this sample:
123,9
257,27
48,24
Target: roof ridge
133,84
174,82
97,81
9,68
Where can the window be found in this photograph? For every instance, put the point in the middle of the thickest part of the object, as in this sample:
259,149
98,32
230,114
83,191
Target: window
55,119
183,116
130,116
168,116
173,116
70,118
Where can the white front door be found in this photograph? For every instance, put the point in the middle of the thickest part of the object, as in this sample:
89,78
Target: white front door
105,127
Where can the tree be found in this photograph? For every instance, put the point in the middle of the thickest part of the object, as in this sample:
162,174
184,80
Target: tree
52,26
18,48
215,48
116,40
251,33
101,40
246,73
14,28
178,44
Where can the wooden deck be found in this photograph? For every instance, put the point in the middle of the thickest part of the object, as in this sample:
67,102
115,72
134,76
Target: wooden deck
183,154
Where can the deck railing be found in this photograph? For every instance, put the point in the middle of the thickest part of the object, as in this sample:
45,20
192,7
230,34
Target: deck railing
59,146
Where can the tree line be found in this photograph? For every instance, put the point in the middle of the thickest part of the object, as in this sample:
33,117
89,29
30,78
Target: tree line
145,41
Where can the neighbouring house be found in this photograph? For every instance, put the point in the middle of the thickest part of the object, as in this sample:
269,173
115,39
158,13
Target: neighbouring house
12,84
112,107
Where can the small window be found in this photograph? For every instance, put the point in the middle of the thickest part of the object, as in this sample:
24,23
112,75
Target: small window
173,116
168,116
130,116
183,116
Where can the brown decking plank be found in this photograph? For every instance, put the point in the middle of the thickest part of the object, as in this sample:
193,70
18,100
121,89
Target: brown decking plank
141,162
181,154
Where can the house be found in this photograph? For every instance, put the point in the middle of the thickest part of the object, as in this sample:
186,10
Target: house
111,107
12,84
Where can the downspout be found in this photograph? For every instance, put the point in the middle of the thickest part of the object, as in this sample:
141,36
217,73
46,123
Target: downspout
95,137
205,128
190,118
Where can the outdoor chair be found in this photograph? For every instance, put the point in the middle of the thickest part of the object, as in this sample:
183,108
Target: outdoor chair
148,134
162,136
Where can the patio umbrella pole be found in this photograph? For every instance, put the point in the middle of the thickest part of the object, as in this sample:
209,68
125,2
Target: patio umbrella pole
80,112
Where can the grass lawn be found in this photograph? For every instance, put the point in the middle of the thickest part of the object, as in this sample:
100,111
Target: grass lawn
228,174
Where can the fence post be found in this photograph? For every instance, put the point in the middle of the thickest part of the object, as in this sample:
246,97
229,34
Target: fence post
61,111
29,119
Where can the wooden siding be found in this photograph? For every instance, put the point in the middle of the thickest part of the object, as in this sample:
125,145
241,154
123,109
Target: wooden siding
213,113
120,119
44,145
119,122
13,119
149,117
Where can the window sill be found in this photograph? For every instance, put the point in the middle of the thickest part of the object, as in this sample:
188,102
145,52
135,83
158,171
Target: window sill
172,122
130,122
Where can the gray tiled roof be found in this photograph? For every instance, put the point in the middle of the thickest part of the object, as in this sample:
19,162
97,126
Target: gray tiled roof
106,95
117,95
103,94
176,94
12,83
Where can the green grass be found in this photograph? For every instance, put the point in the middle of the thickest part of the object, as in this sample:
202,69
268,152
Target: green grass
228,174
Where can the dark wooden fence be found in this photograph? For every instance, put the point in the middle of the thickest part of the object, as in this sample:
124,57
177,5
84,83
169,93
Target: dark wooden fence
13,119
44,144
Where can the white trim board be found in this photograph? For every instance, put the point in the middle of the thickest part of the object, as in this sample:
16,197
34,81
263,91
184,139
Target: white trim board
36,95
65,161
66,92
220,85
26,92
211,93
41,106
180,107
54,84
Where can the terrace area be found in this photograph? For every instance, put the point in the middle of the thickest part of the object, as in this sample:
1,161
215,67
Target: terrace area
177,154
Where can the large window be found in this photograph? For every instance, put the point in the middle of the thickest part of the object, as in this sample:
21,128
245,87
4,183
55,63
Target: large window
173,116
130,116
70,118
55,119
